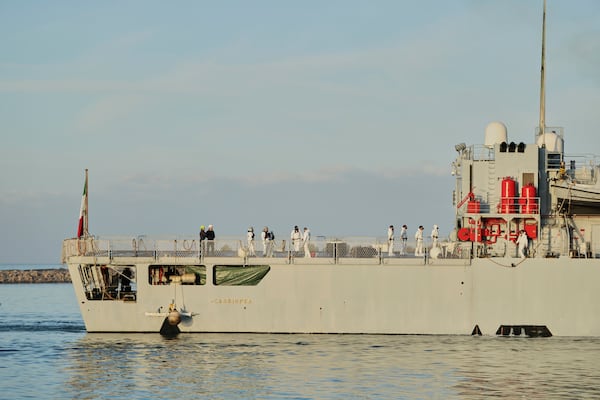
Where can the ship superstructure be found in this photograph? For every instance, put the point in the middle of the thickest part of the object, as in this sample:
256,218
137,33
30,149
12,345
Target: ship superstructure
505,187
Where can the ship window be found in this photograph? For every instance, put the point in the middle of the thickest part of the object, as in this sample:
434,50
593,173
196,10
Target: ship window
553,160
109,282
239,275
177,274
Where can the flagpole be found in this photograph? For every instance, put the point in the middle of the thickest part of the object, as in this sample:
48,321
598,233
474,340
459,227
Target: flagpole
85,215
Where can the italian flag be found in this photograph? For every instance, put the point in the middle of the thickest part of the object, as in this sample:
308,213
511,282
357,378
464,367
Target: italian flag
81,228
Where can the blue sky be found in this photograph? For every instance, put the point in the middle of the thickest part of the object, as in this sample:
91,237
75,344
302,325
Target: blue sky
339,115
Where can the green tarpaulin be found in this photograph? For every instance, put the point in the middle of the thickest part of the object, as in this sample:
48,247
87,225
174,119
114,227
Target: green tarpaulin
237,275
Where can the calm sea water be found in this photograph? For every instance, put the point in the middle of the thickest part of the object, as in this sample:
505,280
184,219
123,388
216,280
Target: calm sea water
30,266
46,353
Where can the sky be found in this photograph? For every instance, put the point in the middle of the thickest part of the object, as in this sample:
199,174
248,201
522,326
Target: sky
337,115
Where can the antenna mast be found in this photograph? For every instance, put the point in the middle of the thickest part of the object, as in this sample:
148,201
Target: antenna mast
543,80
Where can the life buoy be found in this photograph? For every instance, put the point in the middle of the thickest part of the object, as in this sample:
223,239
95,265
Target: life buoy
463,234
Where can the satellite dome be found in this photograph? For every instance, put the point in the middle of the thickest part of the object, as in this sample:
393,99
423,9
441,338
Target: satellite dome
553,141
495,132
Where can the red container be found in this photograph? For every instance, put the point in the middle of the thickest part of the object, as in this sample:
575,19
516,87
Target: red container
473,206
531,230
508,194
528,201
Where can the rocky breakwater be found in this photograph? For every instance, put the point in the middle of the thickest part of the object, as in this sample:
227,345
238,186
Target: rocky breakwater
58,275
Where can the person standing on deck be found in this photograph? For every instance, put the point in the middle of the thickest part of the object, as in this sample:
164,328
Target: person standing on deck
403,239
210,238
296,237
306,241
250,238
202,239
264,235
270,242
391,240
419,250
435,234
522,242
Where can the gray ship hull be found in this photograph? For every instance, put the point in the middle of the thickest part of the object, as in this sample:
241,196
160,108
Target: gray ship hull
398,296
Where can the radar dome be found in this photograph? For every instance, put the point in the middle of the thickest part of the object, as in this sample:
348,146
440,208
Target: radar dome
552,141
495,132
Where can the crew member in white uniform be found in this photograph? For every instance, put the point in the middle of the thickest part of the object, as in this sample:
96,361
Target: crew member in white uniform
391,240
435,234
296,237
522,242
306,241
419,250
265,241
250,238
403,239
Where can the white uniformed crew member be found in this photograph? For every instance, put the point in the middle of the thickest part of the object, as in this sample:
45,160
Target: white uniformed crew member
403,239
306,241
435,234
266,241
419,250
522,242
250,239
296,237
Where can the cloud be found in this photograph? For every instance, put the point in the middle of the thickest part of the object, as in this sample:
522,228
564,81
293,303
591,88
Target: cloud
330,71
109,109
330,174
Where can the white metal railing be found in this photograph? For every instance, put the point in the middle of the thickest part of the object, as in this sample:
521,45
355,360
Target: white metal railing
518,205
479,152
505,205
236,246
583,168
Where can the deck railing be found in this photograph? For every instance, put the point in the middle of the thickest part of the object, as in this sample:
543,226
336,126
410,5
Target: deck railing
321,247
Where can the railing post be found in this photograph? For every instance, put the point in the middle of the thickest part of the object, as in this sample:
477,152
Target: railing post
335,252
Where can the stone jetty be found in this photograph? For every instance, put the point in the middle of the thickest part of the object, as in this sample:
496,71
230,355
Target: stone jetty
58,275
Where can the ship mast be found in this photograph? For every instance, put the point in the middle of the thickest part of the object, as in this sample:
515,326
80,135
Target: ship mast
542,126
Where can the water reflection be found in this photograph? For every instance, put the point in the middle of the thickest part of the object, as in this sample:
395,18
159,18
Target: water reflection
330,366
144,365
